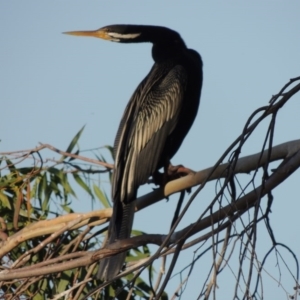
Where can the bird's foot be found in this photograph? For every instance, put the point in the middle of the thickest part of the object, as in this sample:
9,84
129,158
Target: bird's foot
178,171
171,173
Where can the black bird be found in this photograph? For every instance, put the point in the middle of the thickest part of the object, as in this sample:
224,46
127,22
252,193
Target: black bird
155,122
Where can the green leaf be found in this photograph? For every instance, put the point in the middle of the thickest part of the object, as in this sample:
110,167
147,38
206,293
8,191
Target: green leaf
65,279
137,232
8,180
67,187
72,158
101,196
42,186
139,255
42,287
4,200
10,165
58,177
27,170
54,171
73,142
67,208
45,203
111,150
79,180
34,187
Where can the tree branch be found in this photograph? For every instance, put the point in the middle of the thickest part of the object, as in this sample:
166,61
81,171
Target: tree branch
290,151
244,165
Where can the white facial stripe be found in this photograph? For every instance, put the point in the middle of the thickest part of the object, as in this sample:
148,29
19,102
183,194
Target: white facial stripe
117,36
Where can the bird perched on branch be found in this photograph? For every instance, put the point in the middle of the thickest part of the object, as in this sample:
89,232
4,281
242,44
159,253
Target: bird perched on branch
155,121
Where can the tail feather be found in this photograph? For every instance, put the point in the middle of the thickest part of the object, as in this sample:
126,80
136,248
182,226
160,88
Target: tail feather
119,228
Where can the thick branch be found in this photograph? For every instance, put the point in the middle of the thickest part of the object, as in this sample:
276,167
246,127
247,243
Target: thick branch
244,165
51,226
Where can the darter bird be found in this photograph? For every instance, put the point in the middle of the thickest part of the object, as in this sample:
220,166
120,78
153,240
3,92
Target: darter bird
156,120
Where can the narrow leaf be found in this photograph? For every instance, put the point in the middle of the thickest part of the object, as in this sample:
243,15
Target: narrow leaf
79,180
4,200
101,196
73,142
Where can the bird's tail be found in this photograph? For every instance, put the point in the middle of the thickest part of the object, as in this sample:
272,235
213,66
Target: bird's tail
119,228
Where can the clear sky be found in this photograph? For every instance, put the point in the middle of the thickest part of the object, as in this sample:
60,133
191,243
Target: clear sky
53,84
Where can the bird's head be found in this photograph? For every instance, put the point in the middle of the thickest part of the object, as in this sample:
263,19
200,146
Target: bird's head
133,34
114,33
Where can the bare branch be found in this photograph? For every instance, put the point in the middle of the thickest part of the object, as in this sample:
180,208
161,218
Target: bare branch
244,165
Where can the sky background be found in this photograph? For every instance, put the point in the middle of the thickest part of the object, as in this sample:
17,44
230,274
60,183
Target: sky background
52,84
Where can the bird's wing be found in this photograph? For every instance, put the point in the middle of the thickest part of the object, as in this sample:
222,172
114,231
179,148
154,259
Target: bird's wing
150,117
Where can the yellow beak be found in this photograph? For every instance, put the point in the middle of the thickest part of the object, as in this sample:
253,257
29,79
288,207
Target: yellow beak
100,33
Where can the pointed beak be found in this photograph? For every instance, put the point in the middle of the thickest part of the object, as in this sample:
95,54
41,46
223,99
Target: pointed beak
100,33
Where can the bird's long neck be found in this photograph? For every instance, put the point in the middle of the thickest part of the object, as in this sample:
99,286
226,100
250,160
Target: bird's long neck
163,52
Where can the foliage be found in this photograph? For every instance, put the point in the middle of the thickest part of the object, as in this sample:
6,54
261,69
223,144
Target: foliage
44,192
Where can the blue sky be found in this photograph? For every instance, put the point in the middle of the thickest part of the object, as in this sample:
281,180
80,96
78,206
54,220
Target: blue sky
53,84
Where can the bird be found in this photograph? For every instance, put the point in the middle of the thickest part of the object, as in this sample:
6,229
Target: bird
154,124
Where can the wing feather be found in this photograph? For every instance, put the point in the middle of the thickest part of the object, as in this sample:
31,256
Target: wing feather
150,117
